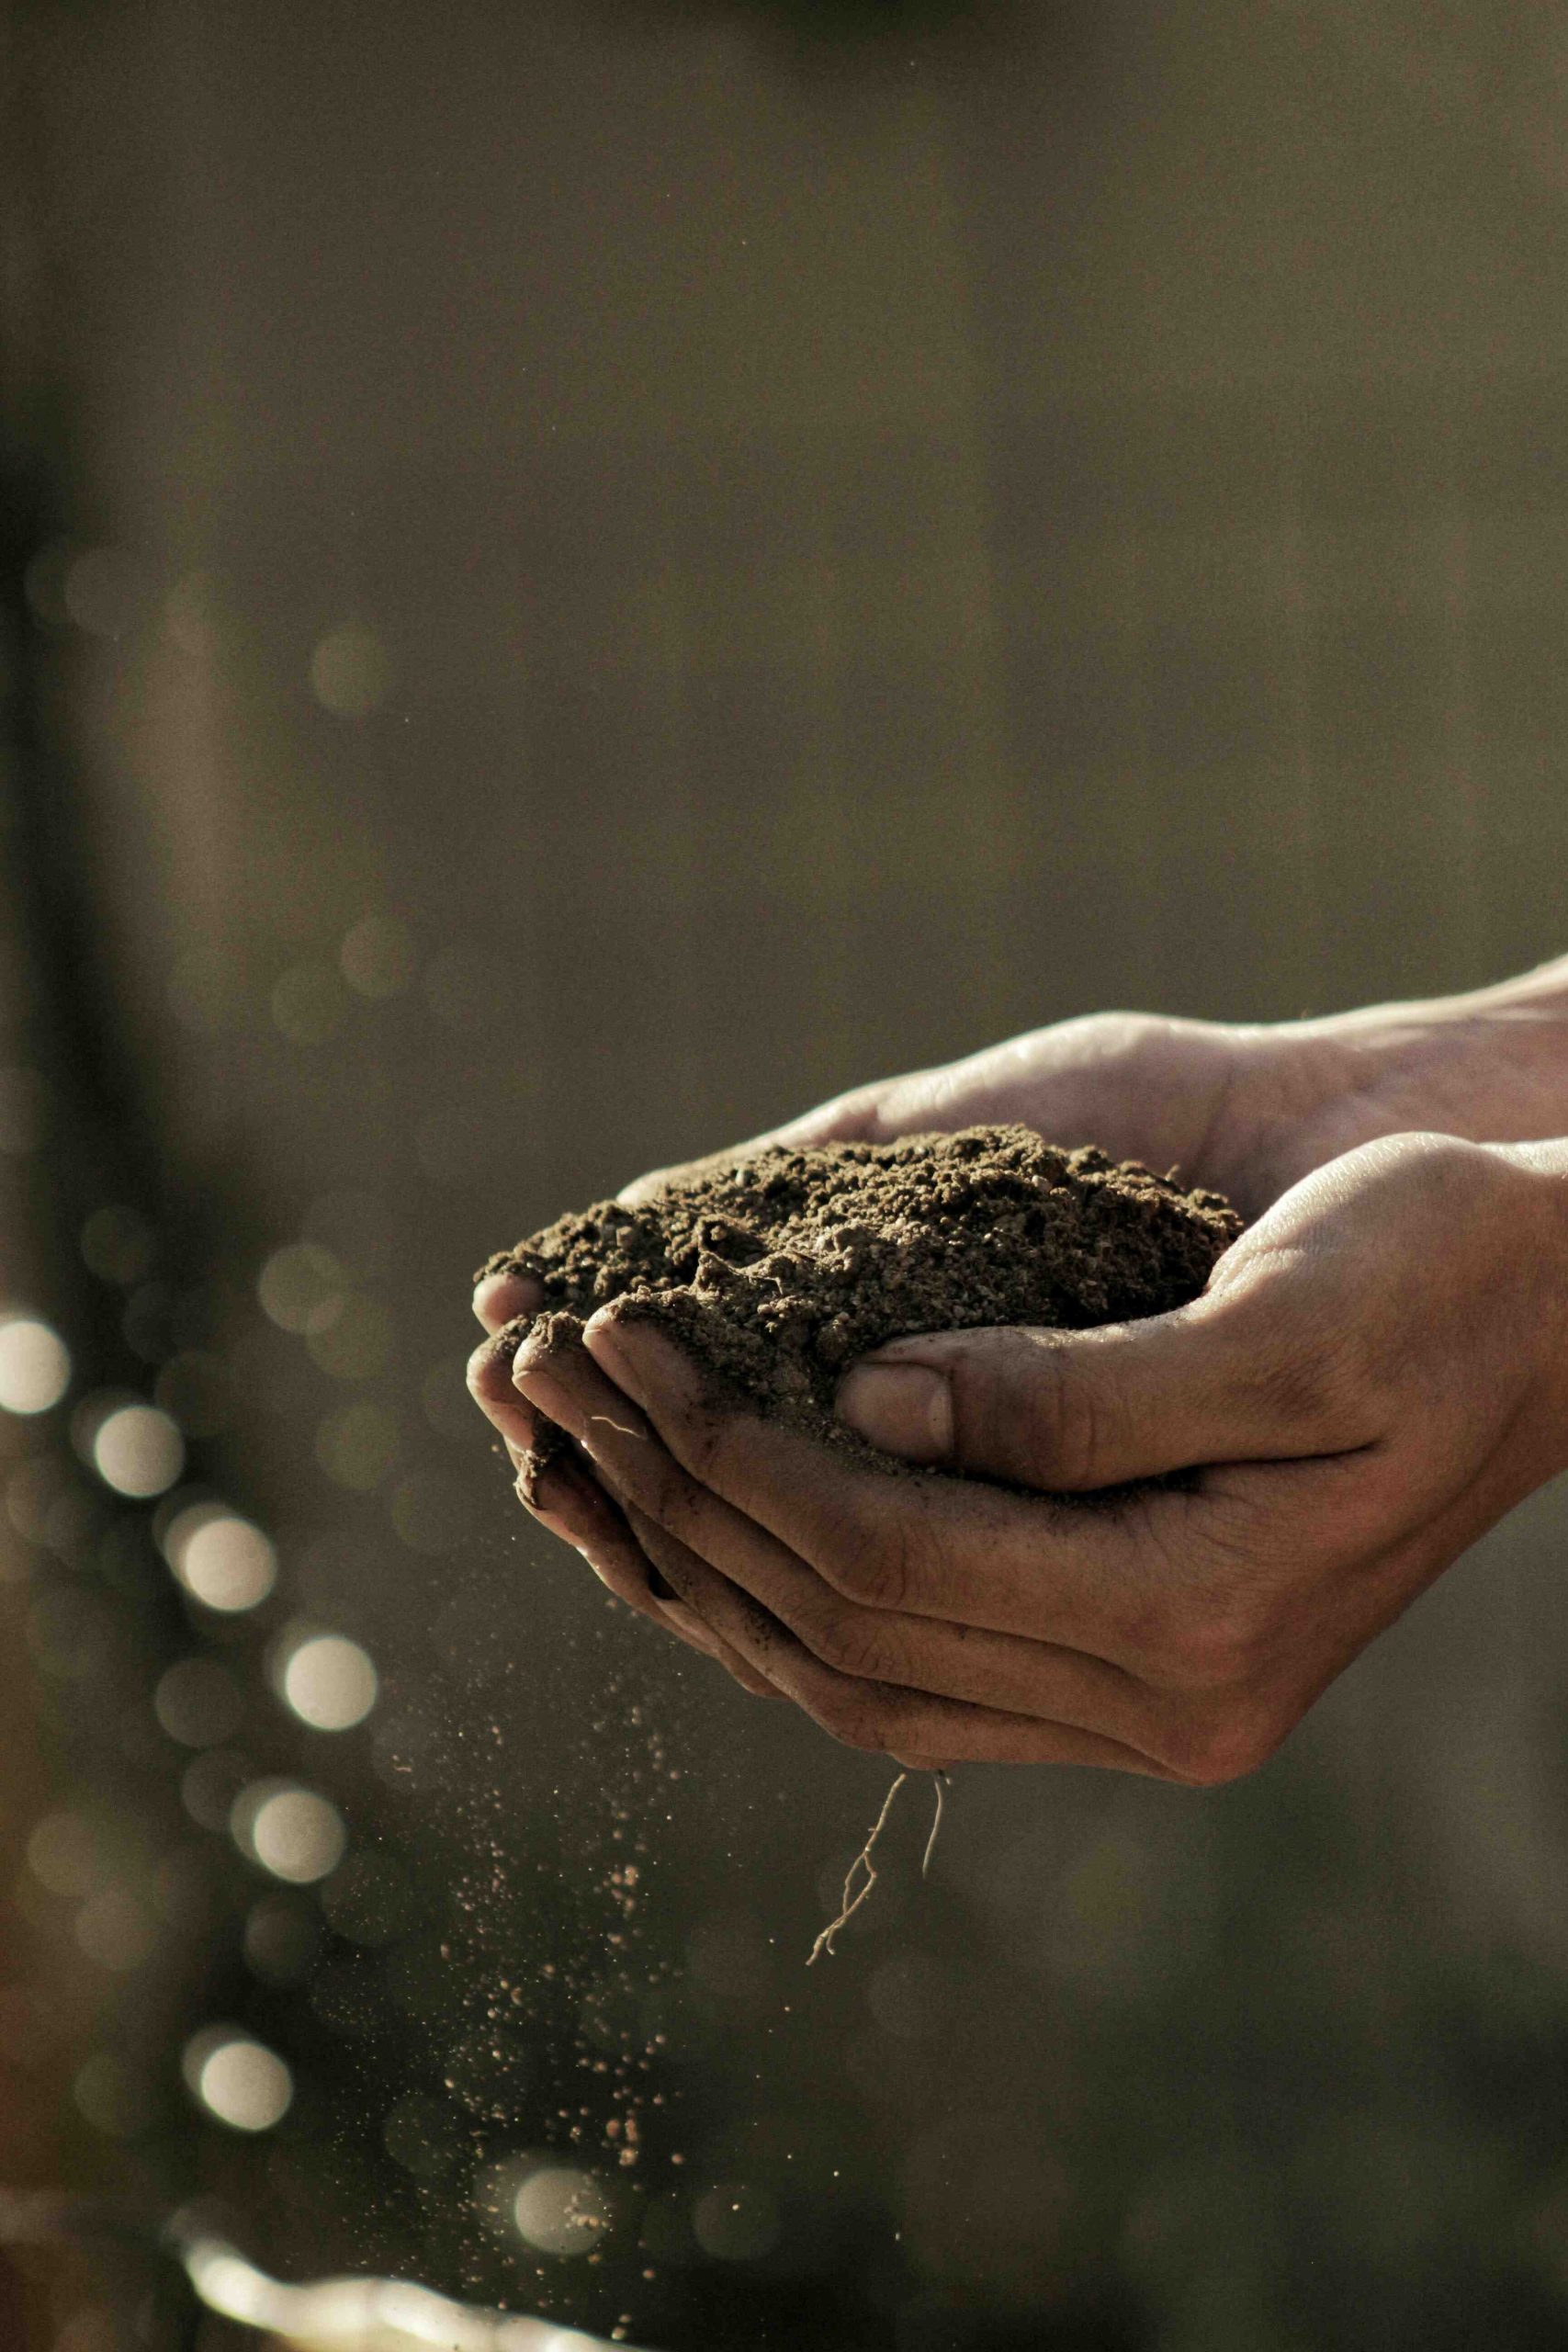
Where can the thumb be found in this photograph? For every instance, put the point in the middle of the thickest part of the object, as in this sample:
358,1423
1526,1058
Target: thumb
1067,1411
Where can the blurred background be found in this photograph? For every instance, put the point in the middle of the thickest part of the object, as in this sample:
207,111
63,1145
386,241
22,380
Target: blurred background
578,577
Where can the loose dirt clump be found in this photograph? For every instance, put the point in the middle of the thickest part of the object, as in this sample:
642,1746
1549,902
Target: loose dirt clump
777,1268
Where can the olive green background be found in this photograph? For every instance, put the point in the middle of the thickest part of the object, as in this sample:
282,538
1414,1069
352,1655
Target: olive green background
883,531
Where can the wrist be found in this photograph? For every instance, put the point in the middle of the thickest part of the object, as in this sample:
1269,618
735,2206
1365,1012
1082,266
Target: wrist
1544,1165
1491,1066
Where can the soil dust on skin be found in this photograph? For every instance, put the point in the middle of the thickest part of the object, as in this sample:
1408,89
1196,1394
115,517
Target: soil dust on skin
778,1268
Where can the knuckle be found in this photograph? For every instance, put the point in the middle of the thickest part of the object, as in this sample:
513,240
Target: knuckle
665,1492
489,1373
1070,1421
1218,1645
1325,1387
700,1437
851,1645
1029,1404
873,1566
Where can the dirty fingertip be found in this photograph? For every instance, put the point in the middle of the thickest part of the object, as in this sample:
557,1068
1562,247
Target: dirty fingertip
501,1298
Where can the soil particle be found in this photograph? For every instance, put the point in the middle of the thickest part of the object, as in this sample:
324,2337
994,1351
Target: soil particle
776,1270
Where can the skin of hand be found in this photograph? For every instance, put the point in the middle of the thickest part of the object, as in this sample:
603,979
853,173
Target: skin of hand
1248,1110
1376,1372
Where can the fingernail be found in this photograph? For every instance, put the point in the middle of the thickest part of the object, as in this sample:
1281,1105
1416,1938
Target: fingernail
904,1408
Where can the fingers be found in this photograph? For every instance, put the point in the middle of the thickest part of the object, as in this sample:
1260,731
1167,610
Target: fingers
503,1405
998,1670
572,1505
575,1506
725,1481
564,1382
503,1298
1070,1411
569,1501
864,1714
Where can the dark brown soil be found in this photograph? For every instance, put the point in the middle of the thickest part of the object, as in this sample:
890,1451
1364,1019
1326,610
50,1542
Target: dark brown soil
777,1269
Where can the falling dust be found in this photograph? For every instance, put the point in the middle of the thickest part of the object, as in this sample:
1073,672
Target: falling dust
564,2055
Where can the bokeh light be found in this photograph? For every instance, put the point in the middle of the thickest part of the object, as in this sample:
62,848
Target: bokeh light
102,591
138,1450
350,672
64,1853
376,958
444,1400
357,1343
293,1832
237,2079
562,2210
329,1681
357,1447
302,1286
43,582
221,1559
35,1365
116,1930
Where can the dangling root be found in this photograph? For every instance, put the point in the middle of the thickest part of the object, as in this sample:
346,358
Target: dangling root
941,1781
853,1896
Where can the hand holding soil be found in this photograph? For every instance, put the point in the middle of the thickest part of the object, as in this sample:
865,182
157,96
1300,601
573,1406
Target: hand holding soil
1374,1375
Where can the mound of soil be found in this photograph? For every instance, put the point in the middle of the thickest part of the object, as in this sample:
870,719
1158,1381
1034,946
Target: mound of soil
778,1268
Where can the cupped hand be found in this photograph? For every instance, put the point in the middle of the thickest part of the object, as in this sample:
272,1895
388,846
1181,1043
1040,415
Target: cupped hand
566,1496
1247,1109
1374,1376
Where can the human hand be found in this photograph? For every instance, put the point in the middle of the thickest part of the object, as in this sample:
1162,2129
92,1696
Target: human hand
565,1496
1142,1086
1245,1108
1376,1373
